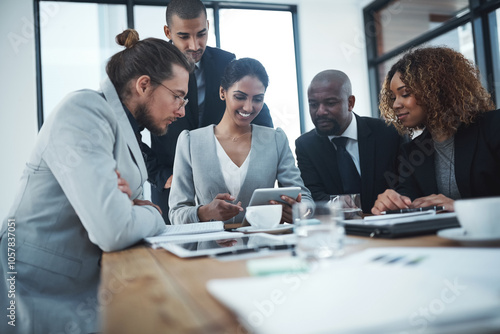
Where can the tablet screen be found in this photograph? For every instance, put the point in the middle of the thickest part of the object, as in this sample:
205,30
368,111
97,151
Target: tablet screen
228,245
262,196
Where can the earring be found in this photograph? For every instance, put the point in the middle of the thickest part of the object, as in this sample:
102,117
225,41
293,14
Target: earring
222,97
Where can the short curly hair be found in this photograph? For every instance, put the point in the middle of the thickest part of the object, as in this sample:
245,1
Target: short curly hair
445,84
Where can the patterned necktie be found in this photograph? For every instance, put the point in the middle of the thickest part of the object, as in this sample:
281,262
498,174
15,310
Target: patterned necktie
192,107
351,181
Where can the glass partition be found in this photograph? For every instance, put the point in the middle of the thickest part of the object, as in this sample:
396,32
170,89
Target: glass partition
275,51
76,43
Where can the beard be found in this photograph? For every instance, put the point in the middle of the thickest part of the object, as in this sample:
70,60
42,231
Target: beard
331,128
194,56
143,117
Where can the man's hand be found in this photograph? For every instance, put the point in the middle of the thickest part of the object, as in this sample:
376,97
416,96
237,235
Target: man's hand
123,185
219,208
125,188
390,200
168,184
142,202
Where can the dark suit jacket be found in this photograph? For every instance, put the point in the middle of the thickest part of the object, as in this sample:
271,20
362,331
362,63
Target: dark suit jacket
378,151
160,158
477,161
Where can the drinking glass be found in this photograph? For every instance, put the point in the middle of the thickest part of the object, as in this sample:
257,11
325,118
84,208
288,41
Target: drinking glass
319,230
350,205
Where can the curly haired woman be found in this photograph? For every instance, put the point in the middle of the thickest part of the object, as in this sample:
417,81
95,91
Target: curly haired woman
457,155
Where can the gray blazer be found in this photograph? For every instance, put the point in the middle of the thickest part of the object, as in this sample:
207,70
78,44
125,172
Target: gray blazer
198,176
69,209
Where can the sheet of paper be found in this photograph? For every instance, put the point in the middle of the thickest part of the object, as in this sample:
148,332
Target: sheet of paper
369,219
189,232
403,218
193,228
448,287
159,240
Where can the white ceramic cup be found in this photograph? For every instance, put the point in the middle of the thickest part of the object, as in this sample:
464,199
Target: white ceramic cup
263,216
480,217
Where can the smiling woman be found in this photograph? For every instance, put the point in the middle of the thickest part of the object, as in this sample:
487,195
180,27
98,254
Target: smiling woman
408,112
217,168
458,154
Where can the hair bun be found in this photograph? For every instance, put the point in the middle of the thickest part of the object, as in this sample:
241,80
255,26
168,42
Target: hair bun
128,38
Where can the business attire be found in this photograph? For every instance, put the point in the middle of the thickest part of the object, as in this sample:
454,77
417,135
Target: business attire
378,147
68,210
476,161
160,159
198,176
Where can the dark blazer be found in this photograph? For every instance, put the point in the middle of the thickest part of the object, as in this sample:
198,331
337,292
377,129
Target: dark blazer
160,158
477,161
378,151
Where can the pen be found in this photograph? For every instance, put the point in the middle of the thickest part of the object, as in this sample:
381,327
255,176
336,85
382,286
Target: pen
427,208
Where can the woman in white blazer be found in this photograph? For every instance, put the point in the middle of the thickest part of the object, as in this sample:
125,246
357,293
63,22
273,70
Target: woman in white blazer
69,207
218,167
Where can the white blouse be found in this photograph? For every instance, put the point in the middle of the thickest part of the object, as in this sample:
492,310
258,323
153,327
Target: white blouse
233,175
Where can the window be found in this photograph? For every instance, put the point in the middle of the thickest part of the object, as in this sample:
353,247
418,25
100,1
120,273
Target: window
468,26
494,22
76,43
401,21
150,20
459,39
276,53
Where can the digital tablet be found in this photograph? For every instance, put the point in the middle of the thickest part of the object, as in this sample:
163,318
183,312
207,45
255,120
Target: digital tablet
228,246
262,196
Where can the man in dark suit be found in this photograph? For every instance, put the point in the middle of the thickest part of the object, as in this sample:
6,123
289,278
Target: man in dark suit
369,163
187,28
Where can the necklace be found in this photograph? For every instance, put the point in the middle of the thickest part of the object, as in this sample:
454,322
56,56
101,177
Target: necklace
235,139
225,134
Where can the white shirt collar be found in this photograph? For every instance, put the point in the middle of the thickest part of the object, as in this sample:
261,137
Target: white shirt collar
351,131
198,66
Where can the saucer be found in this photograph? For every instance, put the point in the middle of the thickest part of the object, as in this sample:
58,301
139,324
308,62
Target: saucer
274,230
457,234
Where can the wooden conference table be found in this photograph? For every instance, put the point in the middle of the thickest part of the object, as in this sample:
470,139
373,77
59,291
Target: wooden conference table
147,290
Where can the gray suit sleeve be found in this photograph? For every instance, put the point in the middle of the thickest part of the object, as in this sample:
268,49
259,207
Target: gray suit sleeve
80,154
183,207
288,172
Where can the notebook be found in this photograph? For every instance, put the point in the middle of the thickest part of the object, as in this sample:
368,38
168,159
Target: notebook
188,233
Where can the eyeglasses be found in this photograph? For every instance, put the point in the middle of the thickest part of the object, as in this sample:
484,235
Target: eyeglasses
183,100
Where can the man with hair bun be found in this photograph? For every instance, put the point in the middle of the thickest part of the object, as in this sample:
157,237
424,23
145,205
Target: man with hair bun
81,190
187,28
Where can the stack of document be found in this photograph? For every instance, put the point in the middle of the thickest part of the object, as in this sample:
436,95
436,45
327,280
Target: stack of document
399,217
191,233
383,290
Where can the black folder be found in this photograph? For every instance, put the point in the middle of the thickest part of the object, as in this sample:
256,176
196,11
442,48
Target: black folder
402,227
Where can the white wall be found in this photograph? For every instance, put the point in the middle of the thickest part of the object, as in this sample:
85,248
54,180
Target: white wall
331,37
18,117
